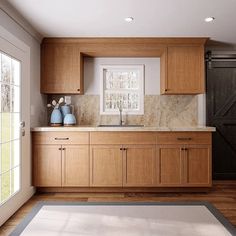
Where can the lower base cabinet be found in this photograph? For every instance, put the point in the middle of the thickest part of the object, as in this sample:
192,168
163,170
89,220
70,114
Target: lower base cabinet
61,165
106,166
184,165
166,160
47,165
75,165
139,163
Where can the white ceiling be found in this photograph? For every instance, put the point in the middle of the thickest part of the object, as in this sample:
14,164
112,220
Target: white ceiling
155,18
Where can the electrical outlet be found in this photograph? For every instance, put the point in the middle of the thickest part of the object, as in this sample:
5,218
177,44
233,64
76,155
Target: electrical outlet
68,100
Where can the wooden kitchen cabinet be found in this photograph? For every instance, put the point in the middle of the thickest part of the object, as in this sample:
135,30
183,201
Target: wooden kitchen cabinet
61,159
170,164
61,69
198,164
139,165
47,166
185,70
184,165
75,165
106,166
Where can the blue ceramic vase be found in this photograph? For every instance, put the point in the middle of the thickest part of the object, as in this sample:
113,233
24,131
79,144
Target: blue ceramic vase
69,120
65,110
56,117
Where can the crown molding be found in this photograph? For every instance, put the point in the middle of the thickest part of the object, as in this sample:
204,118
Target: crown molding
8,9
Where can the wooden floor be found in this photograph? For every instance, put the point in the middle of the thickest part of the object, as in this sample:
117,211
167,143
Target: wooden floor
222,196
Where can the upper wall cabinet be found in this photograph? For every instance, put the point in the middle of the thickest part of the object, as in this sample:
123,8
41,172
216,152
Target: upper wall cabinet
182,61
185,70
61,69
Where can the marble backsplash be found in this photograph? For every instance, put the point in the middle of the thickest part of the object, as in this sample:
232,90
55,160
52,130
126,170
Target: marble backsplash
159,111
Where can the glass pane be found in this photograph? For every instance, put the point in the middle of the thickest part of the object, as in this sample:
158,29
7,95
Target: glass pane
6,69
15,125
6,154
5,98
6,127
15,153
115,79
15,72
15,99
15,179
6,186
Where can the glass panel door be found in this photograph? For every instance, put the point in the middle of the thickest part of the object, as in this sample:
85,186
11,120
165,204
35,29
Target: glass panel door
10,112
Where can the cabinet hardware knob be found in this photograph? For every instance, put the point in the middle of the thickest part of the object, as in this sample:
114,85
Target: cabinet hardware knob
166,90
183,139
186,149
63,148
121,149
61,138
78,90
182,149
59,149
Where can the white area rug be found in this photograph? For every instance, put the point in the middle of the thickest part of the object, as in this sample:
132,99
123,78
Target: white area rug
67,219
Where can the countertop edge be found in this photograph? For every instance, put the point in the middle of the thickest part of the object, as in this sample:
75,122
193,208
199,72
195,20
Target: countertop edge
123,129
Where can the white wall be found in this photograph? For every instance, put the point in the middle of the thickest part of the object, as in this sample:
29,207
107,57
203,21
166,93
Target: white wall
92,73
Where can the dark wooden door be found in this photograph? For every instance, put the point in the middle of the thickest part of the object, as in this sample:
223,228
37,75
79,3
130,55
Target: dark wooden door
221,113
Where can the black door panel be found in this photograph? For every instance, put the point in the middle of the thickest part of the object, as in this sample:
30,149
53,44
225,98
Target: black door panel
221,113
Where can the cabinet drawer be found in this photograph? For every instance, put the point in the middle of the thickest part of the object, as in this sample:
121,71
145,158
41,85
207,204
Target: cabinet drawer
61,137
122,137
183,137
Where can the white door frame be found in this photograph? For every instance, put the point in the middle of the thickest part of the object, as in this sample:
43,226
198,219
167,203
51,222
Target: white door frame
19,50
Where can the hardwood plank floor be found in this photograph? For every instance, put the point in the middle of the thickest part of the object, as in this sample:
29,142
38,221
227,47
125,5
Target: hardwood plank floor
222,196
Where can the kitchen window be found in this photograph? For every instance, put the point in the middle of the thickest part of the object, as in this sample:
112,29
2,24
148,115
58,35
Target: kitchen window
122,87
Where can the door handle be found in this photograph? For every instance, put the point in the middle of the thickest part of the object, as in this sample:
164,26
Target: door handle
22,124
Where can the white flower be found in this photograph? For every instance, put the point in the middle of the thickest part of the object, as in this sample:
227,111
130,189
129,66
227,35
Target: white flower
61,100
54,103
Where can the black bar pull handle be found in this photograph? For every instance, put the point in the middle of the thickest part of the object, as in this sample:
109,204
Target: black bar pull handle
61,138
184,139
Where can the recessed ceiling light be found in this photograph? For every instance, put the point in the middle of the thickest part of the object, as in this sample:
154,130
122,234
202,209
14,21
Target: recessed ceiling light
209,19
129,19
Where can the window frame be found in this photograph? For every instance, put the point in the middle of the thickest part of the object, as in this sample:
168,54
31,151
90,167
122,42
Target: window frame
141,91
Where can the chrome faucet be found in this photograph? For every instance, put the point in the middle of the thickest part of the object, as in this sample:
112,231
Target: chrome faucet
120,110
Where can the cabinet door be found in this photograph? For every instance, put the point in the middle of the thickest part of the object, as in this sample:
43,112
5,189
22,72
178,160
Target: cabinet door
139,165
198,165
60,69
170,162
47,165
105,165
75,167
185,70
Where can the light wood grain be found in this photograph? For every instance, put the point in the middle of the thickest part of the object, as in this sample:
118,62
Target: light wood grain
170,165
106,165
122,137
185,68
183,137
61,69
139,165
62,61
47,165
75,165
60,137
198,163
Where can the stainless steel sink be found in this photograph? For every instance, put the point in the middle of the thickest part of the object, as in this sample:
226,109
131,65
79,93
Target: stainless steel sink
121,126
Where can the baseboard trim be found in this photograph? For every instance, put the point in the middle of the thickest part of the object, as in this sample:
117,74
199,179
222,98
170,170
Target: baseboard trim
120,190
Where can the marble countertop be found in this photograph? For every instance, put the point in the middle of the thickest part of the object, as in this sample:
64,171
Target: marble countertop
137,129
